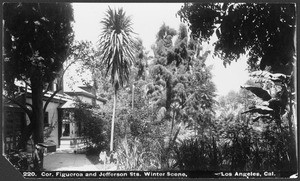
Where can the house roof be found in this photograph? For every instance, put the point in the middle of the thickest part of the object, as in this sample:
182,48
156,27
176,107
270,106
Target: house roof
81,91
59,97
66,99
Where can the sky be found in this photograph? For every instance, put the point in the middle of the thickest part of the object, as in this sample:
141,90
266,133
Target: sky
147,18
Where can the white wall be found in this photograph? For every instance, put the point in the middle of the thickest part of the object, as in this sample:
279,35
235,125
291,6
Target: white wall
52,119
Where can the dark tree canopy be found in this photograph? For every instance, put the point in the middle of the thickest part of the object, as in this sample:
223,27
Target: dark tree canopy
36,35
264,31
37,39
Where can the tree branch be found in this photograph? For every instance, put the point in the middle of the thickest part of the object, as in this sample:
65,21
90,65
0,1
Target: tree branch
22,106
63,72
50,98
59,83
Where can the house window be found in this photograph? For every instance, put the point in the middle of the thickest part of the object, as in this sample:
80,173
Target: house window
46,119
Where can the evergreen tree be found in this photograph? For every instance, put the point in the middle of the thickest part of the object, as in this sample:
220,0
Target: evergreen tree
181,89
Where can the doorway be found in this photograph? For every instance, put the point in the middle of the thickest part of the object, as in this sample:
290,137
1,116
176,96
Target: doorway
66,129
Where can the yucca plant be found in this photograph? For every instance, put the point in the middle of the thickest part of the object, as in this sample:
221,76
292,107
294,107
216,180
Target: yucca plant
128,155
116,46
132,156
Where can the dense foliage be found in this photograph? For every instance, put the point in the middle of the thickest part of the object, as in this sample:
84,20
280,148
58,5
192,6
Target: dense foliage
37,35
93,126
168,100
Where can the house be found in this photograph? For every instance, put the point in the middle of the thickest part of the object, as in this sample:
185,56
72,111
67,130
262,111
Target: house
69,131
60,128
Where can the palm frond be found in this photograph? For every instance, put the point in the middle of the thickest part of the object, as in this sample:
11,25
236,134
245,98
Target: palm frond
117,46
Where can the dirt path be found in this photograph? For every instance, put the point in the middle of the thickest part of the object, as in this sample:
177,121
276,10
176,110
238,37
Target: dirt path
68,162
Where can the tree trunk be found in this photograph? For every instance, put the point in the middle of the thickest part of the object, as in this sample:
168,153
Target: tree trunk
113,122
172,125
37,114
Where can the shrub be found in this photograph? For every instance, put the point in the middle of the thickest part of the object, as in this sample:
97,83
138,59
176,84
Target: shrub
20,160
194,154
132,156
94,127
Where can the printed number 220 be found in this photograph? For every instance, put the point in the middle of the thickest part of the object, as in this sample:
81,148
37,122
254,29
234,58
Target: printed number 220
29,174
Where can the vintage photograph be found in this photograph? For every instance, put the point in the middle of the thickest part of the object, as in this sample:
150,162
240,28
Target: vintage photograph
150,90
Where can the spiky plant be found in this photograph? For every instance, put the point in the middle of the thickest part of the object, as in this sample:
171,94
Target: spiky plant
117,52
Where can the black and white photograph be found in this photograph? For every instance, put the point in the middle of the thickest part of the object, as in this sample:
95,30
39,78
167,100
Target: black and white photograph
149,90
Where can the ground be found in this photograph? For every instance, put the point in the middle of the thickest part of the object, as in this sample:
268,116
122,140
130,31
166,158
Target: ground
74,162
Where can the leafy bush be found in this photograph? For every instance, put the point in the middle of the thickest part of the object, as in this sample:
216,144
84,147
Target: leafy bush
276,110
94,127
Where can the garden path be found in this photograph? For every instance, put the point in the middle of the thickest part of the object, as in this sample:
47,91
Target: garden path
68,162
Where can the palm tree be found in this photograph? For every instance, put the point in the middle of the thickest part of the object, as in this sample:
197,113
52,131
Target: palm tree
117,52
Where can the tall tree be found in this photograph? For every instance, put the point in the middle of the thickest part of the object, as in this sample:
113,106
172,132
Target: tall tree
264,31
181,89
37,37
117,52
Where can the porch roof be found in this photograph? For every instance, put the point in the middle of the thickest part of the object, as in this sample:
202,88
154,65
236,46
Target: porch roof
68,105
80,91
